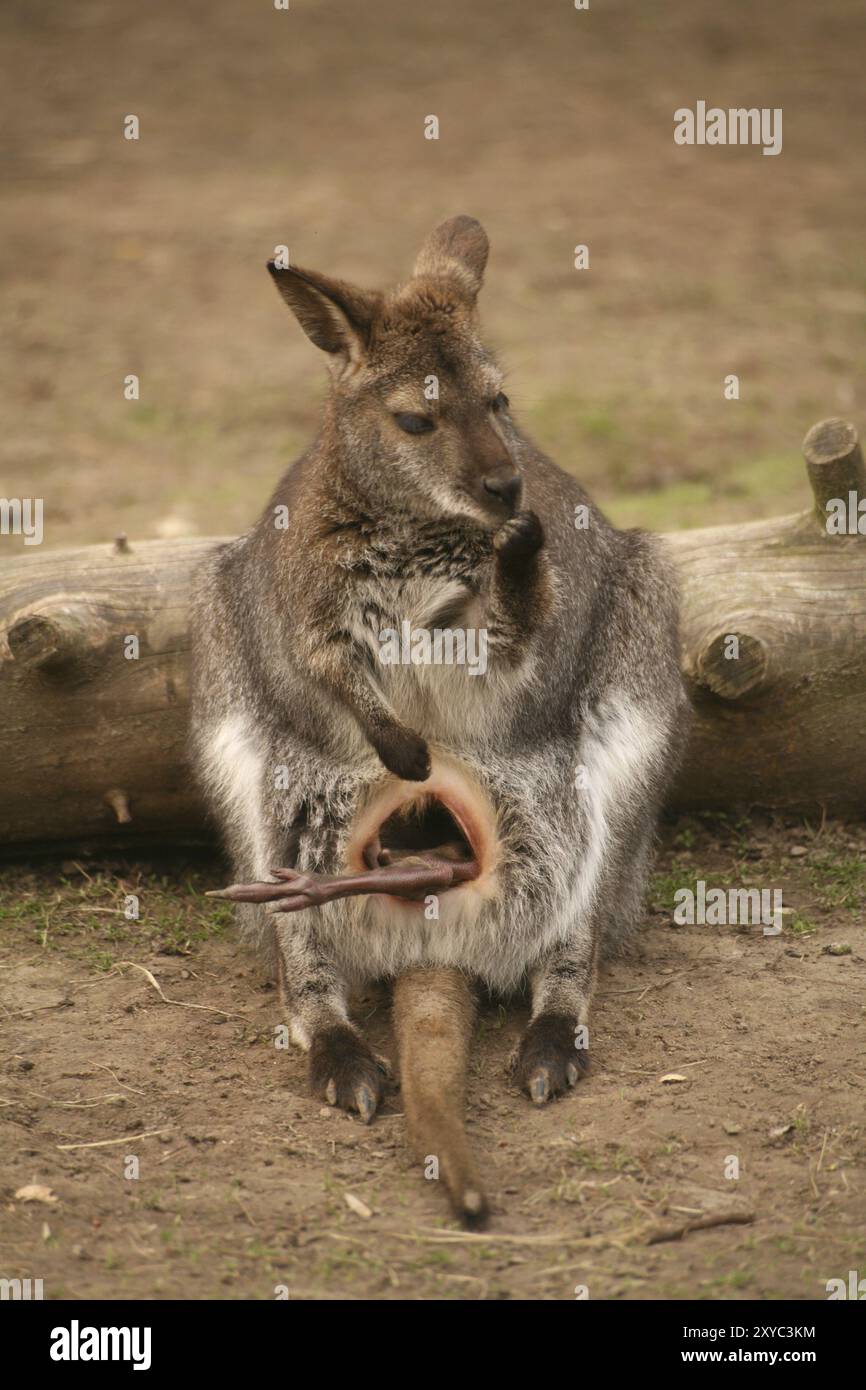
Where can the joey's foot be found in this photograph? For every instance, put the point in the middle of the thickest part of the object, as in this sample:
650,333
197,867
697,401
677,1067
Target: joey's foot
547,1063
412,876
346,1072
404,753
518,539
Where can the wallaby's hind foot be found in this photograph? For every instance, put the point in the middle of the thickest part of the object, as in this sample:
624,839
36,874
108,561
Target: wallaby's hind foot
547,1063
345,1071
434,1014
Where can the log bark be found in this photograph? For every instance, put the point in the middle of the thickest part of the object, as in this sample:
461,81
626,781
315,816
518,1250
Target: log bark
93,736
779,725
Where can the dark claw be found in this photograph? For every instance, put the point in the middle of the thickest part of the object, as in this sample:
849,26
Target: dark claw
547,1062
345,1070
366,1103
539,1086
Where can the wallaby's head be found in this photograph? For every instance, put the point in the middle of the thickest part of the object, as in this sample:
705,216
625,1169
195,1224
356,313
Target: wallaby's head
416,400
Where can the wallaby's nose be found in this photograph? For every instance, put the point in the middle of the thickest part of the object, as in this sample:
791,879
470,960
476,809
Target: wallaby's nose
505,486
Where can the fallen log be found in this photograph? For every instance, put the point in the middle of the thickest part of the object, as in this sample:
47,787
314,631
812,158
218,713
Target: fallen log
95,689
778,725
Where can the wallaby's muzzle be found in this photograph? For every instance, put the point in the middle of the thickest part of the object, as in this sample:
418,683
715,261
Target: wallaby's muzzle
506,487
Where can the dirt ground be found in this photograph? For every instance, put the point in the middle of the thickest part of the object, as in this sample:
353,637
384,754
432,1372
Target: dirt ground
305,127
243,1178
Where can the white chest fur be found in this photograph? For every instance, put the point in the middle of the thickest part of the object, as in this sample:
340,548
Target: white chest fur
433,659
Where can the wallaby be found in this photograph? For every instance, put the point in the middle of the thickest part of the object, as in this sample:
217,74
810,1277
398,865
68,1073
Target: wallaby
418,820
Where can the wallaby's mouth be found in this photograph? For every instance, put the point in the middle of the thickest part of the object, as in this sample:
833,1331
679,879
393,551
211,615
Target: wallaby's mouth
423,828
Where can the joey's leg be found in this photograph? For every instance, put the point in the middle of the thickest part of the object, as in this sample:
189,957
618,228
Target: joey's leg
551,1056
412,878
344,1070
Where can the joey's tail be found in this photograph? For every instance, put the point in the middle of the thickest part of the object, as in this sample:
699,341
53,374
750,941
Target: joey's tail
434,1014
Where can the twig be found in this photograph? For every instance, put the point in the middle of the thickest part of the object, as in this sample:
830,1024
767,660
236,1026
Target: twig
181,1149
92,1103
428,1236
40,1008
115,1077
701,1223
253,1223
126,1139
206,1008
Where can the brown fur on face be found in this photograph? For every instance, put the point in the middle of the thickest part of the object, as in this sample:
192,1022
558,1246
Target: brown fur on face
416,352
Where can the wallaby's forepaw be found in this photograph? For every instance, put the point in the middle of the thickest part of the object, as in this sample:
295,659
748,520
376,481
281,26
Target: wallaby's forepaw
346,1072
404,753
547,1063
520,537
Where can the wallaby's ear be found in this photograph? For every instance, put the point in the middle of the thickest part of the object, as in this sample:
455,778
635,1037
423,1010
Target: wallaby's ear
456,250
335,316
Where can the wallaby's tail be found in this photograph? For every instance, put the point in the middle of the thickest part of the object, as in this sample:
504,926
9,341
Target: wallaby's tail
434,1014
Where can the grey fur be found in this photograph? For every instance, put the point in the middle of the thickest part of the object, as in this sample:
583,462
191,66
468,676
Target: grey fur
583,667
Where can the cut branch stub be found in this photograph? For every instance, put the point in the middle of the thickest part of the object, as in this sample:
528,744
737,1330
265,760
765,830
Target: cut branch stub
733,664
118,800
834,464
57,637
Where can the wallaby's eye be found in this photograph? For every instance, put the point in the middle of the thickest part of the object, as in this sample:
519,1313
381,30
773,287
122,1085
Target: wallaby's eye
500,402
414,424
